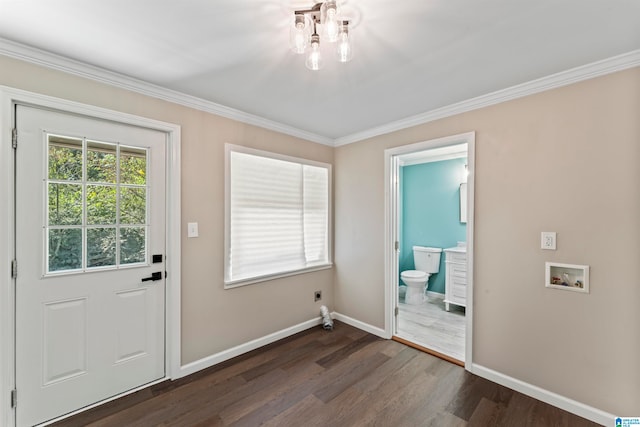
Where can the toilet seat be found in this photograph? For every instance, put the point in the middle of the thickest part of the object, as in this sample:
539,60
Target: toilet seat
413,274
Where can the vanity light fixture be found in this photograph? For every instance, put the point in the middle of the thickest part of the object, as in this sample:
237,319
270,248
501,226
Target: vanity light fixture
323,17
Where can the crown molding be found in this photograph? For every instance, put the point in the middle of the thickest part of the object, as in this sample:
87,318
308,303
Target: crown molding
56,62
40,57
563,78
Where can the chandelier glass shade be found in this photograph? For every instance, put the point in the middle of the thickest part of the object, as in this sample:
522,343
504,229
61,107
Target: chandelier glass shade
320,24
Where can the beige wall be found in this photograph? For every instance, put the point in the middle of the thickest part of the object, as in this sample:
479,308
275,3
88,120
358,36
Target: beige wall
213,319
565,160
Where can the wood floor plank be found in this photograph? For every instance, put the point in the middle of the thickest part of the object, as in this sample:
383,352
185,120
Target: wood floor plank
361,370
431,419
296,413
375,391
340,378
394,409
319,382
326,385
474,390
287,357
342,353
213,403
388,369
338,410
485,414
240,408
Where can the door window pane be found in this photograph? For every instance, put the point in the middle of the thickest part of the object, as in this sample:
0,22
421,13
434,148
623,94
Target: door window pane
101,162
101,247
65,204
65,249
65,158
132,245
101,204
133,165
133,206
97,204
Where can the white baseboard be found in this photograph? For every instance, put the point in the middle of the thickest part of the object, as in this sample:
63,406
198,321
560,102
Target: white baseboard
562,402
360,325
216,358
436,295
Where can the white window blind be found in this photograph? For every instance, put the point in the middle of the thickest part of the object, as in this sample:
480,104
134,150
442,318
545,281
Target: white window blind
278,215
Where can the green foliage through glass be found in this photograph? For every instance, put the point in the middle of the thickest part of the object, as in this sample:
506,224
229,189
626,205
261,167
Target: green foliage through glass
65,158
133,166
83,196
65,204
101,247
133,206
65,249
101,162
132,244
101,204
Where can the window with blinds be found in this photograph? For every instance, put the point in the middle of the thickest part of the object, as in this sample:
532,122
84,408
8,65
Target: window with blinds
277,216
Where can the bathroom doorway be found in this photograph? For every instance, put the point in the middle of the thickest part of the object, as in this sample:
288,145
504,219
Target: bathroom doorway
429,202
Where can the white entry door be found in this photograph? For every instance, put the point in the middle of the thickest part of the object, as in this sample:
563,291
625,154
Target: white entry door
90,244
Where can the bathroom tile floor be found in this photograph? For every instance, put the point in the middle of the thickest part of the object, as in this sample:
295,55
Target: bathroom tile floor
431,326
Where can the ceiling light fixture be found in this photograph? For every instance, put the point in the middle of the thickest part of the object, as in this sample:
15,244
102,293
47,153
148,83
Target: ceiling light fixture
323,17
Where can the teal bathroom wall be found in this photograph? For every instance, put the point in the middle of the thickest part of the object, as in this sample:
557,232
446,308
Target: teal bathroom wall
430,212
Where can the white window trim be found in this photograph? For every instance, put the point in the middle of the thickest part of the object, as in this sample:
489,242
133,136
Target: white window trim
230,284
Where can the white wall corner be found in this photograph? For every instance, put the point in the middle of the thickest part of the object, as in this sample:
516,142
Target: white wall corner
220,357
361,325
562,402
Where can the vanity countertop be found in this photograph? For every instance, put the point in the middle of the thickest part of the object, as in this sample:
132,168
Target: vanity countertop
458,249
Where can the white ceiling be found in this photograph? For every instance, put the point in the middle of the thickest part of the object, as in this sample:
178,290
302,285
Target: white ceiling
411,57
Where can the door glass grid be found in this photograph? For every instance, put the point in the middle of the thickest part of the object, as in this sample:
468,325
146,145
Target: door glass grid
97,198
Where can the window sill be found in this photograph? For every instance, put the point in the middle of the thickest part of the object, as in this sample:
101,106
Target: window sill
250,281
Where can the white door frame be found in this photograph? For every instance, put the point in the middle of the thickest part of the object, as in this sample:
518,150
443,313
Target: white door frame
391,177
9,97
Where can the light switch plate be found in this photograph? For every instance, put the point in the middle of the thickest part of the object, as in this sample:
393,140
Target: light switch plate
192,229
548,240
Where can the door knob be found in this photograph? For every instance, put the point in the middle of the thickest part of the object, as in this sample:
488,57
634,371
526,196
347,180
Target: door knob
154,276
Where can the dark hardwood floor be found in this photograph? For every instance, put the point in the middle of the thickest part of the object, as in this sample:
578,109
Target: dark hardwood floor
344,377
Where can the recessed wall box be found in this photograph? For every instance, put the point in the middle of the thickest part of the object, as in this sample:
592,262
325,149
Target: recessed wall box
568,277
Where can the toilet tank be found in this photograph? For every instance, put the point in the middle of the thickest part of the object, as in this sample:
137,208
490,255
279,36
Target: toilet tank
427,259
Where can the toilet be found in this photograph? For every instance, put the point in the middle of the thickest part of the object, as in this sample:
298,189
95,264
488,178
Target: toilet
427,262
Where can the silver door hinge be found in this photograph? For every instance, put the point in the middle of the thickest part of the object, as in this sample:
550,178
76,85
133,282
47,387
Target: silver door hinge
397,245
14,269
397,311
14,138
14,398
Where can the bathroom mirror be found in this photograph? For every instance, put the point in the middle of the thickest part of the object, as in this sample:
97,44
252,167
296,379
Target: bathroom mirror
463,203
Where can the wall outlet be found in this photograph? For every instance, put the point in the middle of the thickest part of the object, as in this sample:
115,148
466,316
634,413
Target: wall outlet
548,240
317,295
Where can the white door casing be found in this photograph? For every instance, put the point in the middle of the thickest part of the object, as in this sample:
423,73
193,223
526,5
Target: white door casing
92,332
392,229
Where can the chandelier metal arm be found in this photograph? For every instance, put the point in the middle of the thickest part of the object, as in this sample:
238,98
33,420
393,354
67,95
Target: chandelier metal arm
314,12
